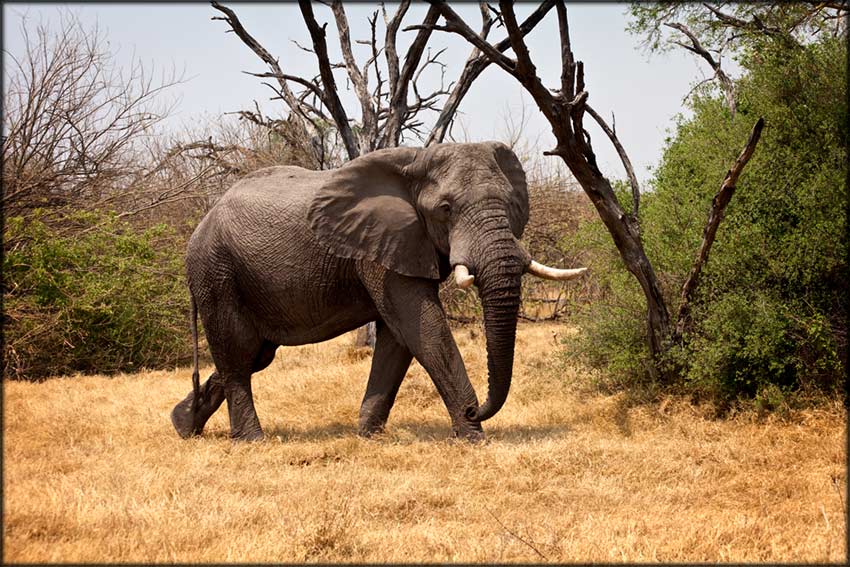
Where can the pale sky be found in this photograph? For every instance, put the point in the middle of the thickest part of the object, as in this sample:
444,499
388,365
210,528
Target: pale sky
645,92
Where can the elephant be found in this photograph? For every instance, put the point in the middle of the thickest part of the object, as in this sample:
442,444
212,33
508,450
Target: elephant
290,256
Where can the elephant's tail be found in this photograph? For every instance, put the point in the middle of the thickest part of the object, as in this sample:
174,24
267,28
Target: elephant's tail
196,375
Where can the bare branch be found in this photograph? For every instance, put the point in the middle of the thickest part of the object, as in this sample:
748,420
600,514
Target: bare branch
715,215
276,72
369,130
524,66
627,164
294,78
568,65
528,544
454,24
331,100
696,47
398,98
475,64
390,47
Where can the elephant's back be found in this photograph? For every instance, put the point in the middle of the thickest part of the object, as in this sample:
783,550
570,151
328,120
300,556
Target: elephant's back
272,189
259,222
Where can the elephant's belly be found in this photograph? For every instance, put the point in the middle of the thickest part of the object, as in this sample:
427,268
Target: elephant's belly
296,311
335,325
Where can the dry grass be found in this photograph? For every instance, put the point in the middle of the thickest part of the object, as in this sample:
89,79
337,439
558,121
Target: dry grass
94,472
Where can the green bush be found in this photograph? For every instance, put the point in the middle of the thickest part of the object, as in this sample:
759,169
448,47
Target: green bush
99,298
770,314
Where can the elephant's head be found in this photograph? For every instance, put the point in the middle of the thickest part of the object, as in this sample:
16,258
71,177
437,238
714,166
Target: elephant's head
458,205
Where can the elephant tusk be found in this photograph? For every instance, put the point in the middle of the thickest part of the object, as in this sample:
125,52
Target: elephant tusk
462,277
545,272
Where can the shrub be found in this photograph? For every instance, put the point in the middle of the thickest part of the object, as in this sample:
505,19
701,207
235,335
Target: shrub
101,298
770,313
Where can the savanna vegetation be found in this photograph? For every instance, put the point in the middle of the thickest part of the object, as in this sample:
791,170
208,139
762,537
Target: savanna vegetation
568,475
610,448
768,321
99,203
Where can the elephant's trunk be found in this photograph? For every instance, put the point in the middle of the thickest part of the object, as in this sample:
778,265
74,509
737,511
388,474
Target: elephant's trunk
499,288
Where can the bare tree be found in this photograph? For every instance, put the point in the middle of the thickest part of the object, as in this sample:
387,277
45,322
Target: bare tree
565,107
73,122
389,94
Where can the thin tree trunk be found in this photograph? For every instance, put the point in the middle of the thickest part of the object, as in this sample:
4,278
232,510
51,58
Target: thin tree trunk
715,215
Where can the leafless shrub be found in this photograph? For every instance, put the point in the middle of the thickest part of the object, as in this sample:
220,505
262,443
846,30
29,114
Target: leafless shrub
74,122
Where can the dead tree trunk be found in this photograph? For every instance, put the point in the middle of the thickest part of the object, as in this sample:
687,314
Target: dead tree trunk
715,215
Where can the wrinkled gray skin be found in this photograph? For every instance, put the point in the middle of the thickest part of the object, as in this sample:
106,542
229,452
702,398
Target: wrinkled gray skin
290,256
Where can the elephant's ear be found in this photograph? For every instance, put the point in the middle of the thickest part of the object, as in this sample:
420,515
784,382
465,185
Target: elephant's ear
518,201
365,211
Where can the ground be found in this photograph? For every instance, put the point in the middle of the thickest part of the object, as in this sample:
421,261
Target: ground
93,471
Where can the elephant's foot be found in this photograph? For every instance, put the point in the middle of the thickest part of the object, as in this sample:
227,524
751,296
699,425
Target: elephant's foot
254,434
183,419
469,431
373,418
368,429
189,424
244,423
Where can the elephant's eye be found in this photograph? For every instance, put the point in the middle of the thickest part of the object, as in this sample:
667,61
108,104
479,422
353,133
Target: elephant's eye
445,210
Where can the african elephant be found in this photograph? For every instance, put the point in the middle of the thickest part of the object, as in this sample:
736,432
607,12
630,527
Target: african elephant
290,256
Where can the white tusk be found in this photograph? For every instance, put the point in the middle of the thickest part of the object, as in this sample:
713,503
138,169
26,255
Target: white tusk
462,277
543,271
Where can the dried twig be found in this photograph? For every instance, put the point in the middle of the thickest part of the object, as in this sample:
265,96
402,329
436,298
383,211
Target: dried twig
529,544
624,157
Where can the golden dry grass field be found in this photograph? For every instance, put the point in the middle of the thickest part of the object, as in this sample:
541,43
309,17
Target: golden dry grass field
93,471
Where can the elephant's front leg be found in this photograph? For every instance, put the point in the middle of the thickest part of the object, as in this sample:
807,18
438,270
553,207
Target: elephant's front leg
412,310
389,365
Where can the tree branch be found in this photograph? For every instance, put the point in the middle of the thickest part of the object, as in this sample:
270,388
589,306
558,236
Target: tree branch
331,99
369,129
390,48
696,47
454,24
627,164
715,215
398,98
475,64
294,78
255,46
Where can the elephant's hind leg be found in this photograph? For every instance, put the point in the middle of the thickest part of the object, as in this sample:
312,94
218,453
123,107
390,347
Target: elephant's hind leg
244,423
389,365
188,424
237,350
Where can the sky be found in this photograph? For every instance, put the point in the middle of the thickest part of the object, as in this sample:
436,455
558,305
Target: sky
644,91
